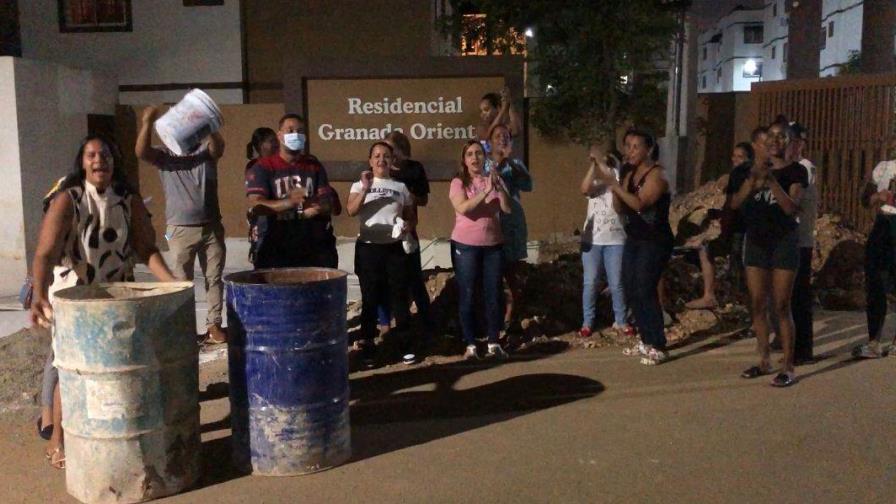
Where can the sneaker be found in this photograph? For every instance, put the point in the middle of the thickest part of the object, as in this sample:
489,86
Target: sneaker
640,349
495,350
585,332
785,379
472,353
870,350
655,357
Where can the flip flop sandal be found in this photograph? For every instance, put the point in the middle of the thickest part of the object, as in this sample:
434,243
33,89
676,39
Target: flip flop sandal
754,372
57,462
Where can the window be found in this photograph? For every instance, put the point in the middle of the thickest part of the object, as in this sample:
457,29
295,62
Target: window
784,53
704,53
775,8
752,69
753,34
830,29
477,38
703,82
773,52
824,38
94,15
719,74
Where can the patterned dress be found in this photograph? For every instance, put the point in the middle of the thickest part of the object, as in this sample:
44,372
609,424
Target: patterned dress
98,245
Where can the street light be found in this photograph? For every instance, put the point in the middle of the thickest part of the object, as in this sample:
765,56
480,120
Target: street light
529,33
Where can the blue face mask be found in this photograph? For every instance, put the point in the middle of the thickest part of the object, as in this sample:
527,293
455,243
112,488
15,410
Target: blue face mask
294,141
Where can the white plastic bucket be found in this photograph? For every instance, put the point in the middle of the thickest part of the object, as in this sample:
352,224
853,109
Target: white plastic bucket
186,124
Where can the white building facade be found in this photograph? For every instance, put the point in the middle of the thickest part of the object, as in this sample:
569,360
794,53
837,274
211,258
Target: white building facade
775,20
730,56
840,33
157,50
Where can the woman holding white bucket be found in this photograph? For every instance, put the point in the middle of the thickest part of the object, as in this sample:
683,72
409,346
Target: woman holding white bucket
95,228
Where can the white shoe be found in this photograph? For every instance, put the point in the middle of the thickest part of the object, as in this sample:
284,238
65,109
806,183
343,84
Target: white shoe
495,350
870,350
655,357
471,353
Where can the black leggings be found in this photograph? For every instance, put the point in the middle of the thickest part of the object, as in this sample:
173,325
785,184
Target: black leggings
880,272
382,274
643,262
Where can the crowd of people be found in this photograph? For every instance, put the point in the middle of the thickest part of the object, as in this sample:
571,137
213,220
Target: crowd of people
96,228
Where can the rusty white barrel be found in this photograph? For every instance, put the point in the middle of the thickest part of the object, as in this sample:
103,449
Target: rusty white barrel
129,380
186,124
288,370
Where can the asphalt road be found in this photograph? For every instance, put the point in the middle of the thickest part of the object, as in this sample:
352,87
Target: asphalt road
575,426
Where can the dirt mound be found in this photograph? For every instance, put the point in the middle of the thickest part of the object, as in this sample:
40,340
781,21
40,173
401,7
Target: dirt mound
21,369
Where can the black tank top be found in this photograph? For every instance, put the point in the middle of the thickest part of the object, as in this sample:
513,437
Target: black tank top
651,223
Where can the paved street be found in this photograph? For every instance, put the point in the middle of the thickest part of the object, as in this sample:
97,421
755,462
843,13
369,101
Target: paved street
577,426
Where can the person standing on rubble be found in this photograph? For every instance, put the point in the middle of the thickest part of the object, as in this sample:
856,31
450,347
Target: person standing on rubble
642,198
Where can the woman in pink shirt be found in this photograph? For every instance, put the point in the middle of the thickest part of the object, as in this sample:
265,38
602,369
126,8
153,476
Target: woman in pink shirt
476,245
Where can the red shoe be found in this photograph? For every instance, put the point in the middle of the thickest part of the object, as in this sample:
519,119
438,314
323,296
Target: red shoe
585,332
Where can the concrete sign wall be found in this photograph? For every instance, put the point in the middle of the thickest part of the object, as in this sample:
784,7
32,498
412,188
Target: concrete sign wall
438,115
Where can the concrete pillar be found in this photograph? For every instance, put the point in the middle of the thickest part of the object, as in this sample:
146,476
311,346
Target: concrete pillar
878,29
804,43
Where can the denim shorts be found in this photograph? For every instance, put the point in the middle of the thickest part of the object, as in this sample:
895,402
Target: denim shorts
780,252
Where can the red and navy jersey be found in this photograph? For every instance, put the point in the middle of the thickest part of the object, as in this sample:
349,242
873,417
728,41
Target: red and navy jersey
273,177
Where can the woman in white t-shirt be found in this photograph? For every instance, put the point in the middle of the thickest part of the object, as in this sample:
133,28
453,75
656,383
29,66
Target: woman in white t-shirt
603,241
385,208
880,254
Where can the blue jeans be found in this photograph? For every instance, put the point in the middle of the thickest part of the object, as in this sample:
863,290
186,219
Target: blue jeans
472,264
643,263
608,257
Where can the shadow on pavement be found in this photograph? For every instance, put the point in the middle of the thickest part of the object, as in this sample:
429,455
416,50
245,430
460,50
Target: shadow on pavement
437,408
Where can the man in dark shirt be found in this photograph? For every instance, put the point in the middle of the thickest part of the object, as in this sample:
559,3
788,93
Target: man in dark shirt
292,187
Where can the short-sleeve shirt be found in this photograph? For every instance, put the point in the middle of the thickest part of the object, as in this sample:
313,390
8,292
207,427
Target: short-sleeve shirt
808,206
383,204
602,224
273,178
765,219
190,183
482,226
883,174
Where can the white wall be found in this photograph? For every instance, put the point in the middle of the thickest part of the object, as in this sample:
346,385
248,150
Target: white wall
169,44
777,30
847,18
12,225
729,55
50,106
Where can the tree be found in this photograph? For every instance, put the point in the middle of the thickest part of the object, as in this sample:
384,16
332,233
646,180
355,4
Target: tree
602,64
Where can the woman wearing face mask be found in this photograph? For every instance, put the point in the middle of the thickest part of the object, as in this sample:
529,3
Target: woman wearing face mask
516,179
642,199
385,209
495,109
478,200
94,230
770,199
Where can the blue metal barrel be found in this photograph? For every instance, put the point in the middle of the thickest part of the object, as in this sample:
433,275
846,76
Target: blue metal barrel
129,381
288,360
